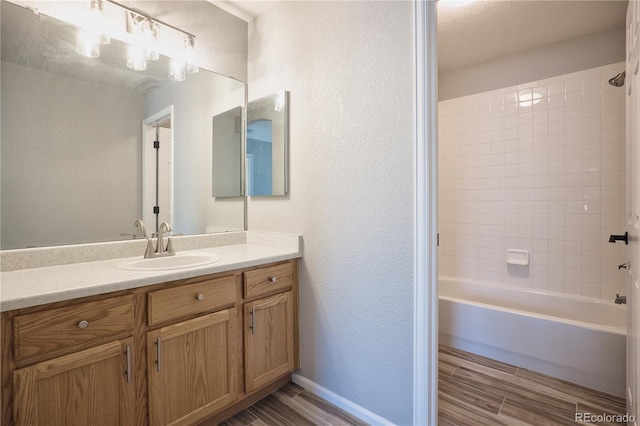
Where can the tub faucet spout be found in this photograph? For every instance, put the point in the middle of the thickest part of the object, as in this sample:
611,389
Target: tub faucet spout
621,300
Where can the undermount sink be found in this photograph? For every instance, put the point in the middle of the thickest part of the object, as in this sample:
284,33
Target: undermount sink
178,261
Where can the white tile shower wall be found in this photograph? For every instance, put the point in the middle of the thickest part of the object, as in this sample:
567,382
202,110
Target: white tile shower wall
538,167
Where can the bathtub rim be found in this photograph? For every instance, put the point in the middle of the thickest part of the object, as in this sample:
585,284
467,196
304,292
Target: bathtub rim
621,330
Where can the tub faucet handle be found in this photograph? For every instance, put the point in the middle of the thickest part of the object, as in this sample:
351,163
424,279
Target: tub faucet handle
624,237
625,265
621,300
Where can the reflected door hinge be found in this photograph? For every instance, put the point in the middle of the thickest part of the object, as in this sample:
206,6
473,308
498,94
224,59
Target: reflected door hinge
156,210
156,144
438,240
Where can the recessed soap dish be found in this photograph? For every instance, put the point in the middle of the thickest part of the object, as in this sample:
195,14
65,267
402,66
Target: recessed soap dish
517,257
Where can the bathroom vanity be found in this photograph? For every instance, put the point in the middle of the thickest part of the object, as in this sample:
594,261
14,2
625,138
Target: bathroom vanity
164,351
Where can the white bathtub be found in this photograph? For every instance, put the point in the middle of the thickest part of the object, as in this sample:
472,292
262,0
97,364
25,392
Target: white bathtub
578,339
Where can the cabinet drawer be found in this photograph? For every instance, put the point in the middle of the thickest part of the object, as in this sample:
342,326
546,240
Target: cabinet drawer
191,299
49,333
268,280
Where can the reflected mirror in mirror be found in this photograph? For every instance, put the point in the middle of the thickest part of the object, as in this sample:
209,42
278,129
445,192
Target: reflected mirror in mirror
267,145
227,153
77,158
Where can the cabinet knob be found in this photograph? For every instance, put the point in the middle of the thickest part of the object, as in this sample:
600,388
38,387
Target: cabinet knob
83,324
200,296
273,279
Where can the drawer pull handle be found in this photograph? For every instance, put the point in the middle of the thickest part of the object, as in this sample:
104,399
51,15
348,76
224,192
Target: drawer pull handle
200,296
159,352
273,279
128,354
83,324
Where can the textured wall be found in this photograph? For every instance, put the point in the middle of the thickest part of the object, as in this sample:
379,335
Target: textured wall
538,167
573,55
59,177
349,68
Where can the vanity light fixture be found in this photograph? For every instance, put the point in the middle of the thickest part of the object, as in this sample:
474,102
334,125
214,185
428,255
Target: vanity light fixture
190,54
98,21
177,70
144,33
149,36
136,58
87,43
278,104
90,37
140,32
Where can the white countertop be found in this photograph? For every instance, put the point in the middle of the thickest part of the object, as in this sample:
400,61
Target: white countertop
37,286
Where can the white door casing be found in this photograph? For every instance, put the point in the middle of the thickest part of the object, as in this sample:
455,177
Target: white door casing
632,85
159,126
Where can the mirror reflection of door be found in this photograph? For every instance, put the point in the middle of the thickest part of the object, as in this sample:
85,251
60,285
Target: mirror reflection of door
157,170
260,148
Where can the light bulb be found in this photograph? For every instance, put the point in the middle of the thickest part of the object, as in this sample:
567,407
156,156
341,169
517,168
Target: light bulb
97,21
136,58
177,70
149,39
190,55
87,43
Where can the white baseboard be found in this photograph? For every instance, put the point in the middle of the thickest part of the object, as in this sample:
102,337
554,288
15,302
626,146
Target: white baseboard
340,402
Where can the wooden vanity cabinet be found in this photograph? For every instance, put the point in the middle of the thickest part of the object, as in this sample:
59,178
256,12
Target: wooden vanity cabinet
192,365
268,333
269,324
75,364
177,353
90,387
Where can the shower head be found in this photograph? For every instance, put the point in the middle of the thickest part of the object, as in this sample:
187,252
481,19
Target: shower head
618,80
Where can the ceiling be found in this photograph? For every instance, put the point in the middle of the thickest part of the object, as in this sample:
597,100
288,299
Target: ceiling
489,29
486,30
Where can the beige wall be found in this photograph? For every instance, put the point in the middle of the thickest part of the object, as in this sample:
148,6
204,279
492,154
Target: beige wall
61,186
349,69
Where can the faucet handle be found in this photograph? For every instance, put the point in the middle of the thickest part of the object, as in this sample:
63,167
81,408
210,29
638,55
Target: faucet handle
139,224
170,250
149,252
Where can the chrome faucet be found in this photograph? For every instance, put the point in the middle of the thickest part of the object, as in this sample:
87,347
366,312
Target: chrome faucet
140,224
160,249
621,300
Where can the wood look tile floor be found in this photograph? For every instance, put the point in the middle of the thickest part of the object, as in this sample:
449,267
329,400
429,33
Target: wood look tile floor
292,406
473,391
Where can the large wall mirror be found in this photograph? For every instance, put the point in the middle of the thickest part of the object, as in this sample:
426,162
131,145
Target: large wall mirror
78,134
267,145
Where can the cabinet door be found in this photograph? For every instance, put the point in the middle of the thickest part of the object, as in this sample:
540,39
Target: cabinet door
192,368
91,387
269,345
